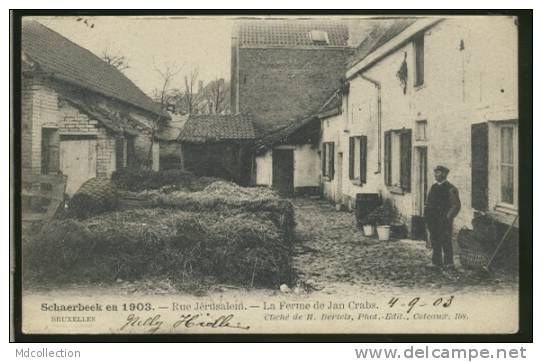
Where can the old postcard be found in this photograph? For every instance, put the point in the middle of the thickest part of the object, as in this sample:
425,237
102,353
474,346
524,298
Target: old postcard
277,174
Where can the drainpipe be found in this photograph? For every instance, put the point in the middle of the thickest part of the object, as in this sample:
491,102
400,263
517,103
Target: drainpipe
379,119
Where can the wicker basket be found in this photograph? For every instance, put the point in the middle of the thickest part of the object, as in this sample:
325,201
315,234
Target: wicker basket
473,258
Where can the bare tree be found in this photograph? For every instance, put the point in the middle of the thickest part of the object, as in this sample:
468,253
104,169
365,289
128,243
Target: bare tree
164,96
217,96
117,60
191,95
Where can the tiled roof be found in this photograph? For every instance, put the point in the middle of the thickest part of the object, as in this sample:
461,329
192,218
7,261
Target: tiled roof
216,127
290,33
67,61
114,122
380,35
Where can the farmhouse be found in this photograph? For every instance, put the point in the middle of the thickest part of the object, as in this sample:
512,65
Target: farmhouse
424,92
81,117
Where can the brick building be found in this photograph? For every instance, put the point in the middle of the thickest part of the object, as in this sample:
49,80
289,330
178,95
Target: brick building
283,72
81,117
423,93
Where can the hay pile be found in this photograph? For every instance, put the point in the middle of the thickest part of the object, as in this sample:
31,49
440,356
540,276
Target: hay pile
94,197
137,180
241,248
229,199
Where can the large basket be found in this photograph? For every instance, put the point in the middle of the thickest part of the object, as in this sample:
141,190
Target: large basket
473,258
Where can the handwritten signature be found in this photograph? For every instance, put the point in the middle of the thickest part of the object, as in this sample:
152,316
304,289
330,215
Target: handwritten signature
154,323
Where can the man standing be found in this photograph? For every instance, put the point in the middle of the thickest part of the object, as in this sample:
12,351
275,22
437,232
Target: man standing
441,208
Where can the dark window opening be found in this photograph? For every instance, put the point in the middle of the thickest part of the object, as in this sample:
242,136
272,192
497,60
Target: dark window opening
419,59
50,158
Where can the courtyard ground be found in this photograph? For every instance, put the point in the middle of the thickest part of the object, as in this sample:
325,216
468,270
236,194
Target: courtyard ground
332,253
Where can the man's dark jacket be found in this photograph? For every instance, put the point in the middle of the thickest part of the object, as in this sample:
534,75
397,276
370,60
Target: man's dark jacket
442,205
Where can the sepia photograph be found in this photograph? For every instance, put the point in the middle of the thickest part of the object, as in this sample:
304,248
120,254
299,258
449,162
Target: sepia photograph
277,174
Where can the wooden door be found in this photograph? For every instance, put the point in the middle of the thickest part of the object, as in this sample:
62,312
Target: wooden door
77,162
283,171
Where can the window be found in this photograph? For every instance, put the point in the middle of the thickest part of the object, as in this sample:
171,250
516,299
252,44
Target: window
421,130
397,159
358,159
508,164
319,37
328,161
419,61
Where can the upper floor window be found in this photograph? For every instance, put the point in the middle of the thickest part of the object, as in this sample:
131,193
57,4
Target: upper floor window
421,130
419,61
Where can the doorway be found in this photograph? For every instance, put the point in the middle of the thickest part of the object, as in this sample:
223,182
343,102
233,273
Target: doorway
77,161
283,171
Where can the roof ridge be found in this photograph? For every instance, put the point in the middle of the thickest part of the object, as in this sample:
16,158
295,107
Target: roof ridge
43,28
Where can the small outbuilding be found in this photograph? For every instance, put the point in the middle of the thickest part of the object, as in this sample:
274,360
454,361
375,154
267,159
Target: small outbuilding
218,145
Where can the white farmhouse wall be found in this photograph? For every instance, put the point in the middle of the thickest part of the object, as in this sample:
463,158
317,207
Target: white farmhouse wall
264,169
470,77
306,167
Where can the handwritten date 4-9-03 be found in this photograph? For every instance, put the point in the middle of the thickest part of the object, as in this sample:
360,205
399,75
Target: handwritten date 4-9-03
410,304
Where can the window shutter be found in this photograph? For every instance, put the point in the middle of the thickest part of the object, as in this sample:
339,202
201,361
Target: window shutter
406,157
387,158
324,158
331,160
363,159
351,157
479,165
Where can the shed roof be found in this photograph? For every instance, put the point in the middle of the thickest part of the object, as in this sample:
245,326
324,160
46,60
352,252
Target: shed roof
67,61
291,33
330,108
217,127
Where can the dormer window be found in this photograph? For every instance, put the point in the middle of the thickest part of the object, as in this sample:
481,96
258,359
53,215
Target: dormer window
319,37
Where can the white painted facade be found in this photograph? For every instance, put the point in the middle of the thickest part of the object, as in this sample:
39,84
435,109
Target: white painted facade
306,166
470,76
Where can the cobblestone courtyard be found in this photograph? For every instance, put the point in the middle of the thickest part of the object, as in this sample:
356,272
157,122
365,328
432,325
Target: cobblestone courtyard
332,252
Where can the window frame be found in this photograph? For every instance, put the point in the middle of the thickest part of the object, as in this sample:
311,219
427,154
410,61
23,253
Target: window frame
417,137
358,159
419,60
396,186
503,205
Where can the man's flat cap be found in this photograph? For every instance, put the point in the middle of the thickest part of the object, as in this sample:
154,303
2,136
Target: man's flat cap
442,169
